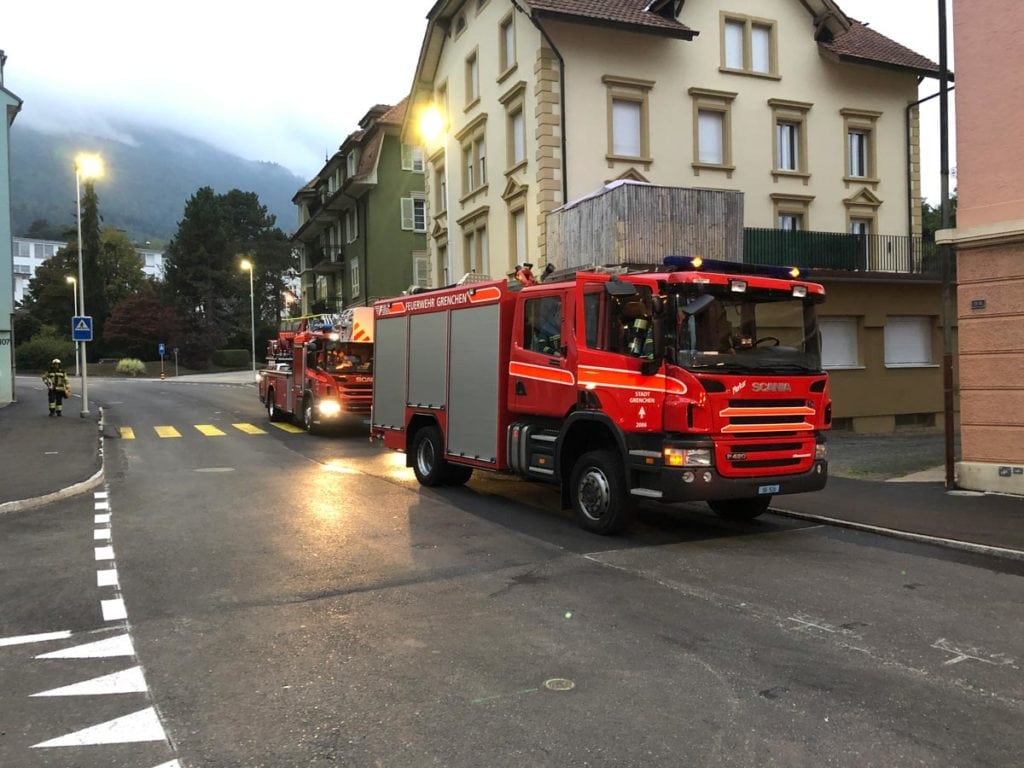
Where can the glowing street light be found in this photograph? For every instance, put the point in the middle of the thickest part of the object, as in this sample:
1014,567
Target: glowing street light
248,267
74,308
433,128
86,167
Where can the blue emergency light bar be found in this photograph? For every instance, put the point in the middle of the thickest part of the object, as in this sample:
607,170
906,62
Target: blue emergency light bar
732,267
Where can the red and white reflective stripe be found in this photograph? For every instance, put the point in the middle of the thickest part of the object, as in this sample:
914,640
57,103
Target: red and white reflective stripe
617,378
541,373
480,295
394,308
358,334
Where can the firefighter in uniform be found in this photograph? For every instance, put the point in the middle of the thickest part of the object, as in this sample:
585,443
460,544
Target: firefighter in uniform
57,387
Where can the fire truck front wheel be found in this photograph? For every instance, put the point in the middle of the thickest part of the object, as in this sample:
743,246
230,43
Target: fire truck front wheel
598,492
428,457
308,420
740,509
272,412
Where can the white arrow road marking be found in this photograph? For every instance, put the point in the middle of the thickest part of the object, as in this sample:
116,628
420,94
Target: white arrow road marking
39,638
125,681
113,610
119,645
143,725
107,578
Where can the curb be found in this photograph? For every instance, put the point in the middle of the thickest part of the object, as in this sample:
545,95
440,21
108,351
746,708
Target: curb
919,538
64,493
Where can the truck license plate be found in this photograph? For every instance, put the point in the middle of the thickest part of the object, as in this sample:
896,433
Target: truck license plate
767,489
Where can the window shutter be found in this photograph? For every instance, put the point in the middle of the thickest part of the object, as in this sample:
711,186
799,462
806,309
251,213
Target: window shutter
518,138
421,270
407,213
406,157
839,342
520,227
908,341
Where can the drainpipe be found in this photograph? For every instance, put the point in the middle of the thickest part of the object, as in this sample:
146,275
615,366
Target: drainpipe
561,96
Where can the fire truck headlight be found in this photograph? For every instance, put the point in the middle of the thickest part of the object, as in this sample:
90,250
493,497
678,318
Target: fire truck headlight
683,457
821,452
330,407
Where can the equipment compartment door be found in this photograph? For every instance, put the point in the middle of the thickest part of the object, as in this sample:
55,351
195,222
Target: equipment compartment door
473,397
389,373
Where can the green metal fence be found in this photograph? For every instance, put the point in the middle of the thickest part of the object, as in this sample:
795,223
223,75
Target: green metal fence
900,254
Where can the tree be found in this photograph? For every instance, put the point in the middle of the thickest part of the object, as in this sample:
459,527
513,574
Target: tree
931,217
202,268
140,322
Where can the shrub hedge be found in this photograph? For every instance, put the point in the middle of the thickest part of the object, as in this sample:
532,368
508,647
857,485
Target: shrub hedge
231,358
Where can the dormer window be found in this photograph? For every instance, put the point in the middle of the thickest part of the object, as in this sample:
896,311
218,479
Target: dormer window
351,163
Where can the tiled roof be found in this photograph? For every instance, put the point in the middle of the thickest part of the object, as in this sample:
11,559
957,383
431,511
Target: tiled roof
621,13
368,157
863,43
396,114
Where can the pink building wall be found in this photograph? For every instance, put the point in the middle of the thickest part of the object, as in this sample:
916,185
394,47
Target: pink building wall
988,39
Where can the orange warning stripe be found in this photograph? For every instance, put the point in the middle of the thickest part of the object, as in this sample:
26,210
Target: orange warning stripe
481,295
767,411
767,427
541,373
618,378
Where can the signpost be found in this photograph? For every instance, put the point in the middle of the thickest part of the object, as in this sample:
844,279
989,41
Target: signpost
162,350
81,328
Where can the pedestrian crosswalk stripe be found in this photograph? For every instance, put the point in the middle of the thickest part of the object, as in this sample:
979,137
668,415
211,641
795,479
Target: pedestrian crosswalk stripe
287,427
127,433
167,432
119,645
249,429
125,681
209,430
143,725
37,638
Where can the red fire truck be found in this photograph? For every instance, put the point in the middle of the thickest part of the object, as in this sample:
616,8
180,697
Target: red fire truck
320,369
688,381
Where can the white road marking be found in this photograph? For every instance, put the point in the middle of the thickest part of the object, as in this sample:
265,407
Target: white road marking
51,453
104,553
101,505
143,725
38,638
99,495
126,681
972,653
119,645
113,610
107,578
172,764
101,534
101,519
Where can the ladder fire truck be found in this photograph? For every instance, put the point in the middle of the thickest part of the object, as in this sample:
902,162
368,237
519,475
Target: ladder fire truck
687,381
320,369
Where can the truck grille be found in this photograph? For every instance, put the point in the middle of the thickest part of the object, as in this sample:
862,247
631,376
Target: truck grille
750,458
769,416
356,398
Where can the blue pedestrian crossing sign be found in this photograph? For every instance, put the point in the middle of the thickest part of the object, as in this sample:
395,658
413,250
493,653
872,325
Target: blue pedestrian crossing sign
162,349
81,328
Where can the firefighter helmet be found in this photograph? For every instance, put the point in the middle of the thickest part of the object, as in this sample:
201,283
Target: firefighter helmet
55,361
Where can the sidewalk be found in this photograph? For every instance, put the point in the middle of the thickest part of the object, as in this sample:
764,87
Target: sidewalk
891,484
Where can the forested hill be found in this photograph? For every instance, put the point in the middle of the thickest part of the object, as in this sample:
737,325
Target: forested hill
149,176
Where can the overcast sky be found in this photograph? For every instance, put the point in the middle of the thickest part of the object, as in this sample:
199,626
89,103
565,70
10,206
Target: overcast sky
281,82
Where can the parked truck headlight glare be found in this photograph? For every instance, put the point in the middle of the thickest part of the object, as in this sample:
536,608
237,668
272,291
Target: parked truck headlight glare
330,408
821,452
682,457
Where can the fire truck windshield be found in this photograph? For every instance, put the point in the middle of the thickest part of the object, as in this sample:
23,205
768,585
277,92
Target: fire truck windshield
767,331
341,357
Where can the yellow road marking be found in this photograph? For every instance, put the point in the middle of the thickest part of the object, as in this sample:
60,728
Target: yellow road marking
127,433
209,430
287,427
167,432
249,429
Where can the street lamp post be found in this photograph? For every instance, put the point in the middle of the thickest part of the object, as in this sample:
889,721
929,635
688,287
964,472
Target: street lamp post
87,167
74,309
248,267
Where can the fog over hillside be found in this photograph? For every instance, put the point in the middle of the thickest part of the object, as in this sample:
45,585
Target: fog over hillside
150,173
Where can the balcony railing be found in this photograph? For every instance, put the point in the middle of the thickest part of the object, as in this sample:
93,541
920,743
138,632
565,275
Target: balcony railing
900,254
326,258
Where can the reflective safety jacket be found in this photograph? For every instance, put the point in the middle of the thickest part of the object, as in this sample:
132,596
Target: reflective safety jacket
56,380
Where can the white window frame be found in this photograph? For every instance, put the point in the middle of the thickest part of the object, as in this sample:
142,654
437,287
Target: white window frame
412,158
351,225
353,276
840,348
749,45
908,342
412,208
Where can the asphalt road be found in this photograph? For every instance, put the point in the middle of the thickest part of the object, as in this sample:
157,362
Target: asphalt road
299,600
